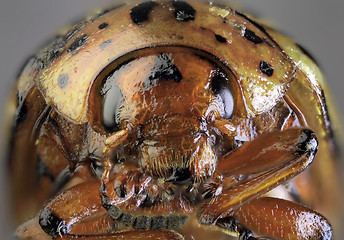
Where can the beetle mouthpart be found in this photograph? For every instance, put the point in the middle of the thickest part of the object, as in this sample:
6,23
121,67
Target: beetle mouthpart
180,176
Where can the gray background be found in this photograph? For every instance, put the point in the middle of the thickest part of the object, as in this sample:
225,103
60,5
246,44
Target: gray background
25,24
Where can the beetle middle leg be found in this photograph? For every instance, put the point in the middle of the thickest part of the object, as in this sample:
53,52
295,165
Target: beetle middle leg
271,159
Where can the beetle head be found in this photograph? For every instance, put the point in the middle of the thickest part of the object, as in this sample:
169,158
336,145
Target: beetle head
167,99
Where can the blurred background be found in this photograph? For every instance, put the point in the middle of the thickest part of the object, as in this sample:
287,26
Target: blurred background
26,24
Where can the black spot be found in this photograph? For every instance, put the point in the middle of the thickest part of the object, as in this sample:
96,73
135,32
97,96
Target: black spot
220,39
140,13
308,142
183,11
164,70
266,68
103,25
158,223
51,224
304,51
77,44
105,44
62,81
260,27
141,222
251,36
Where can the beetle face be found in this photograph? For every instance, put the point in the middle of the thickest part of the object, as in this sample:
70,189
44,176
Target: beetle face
170,93
159,117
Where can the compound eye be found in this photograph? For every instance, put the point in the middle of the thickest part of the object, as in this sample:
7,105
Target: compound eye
219,85
111,104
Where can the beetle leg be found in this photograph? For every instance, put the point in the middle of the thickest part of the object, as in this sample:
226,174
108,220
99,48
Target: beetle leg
304,146
267,151
282,219
61,216
130,235
32,230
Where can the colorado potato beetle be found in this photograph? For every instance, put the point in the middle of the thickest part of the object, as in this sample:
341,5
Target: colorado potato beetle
173,120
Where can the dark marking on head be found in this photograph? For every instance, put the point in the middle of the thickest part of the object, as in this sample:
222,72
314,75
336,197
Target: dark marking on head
266,68
158,223
105,44
260,27
164,70
62,80
142,222
304,51
51,224
103,25
77,44
183,11
140,13
251,36
220,39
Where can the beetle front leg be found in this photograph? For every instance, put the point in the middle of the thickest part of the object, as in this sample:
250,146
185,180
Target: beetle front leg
294,150
281,219
130,235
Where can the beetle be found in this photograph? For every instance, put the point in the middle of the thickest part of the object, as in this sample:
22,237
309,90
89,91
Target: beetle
172,120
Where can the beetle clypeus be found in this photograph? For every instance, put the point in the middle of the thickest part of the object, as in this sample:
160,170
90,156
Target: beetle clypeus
173,120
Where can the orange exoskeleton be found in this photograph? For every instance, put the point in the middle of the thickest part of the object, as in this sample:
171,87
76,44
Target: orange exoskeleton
173,120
